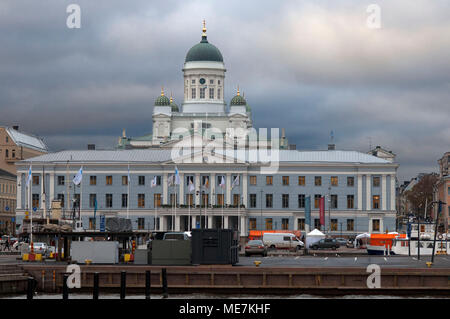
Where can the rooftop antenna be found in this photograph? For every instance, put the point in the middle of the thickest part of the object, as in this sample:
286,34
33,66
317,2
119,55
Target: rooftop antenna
370,143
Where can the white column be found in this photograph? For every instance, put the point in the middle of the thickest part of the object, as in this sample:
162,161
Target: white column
213,188
197,189
360,194
210,218
163,222
228,186
392,192
368,192
165,189
225,222
245,189
177,223
181,191
19,191
383,192
52,188
243,226
42,200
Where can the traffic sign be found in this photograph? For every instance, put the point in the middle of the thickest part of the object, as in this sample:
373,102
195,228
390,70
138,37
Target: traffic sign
34,209
7,208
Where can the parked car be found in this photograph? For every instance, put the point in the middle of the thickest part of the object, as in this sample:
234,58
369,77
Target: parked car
341,241
282,241
255,247
326,243
176,236
39,248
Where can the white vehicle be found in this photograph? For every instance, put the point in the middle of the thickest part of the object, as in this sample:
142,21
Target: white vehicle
282,241
39,248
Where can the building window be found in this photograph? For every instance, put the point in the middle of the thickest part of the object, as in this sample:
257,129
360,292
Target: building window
92,223
285,180
60,197
376,202
236,199
109,200
205,199
193,93
109,180
92,200
318,181
252,223
124,180
253,180
92,180
156,200
268,223
60,180
334,225
285,200
190,199
35,179
317,200
124,200
301,181
334,201
189,178
173,199
269,200
252,200
141,223
211,93
301,224
350,201
218,93
350,225
375,225
202,93
193,81
269,180
301,200
141,180
77,200
350,181
285,223
35,200
376,181
6,153
317,223
141,200
211,81
334,181
13,153
158,180
221,202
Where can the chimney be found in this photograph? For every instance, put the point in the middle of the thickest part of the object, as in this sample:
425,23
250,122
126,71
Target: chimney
292,146
16,127
91,147
331,147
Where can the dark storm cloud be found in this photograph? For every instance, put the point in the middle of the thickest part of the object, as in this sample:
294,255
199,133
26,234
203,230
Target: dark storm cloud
310,67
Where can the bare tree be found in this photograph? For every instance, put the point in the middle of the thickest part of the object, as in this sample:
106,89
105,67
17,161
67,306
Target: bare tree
422,192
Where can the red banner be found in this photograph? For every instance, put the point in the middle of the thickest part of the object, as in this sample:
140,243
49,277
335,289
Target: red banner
322,210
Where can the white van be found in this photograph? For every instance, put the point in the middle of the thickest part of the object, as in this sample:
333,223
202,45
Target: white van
282,241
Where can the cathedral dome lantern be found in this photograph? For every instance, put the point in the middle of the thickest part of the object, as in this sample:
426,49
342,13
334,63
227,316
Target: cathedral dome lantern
162,100
173,105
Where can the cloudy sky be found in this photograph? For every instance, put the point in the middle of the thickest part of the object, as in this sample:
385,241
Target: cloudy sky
309,66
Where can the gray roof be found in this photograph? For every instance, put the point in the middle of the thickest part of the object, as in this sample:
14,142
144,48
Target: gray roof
164,155
26,140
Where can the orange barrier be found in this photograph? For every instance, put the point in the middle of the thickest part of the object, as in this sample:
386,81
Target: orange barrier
258,234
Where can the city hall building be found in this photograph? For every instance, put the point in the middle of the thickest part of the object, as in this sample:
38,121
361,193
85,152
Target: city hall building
204,165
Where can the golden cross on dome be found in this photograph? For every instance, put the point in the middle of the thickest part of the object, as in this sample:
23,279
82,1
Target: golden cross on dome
204,28
162,91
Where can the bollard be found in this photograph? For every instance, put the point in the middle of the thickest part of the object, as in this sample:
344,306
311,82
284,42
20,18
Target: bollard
30,288
96,288
65,288
147,284
164,283
123,284
54,281
43,280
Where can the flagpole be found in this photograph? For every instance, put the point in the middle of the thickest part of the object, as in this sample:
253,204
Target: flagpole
31,203
128,195
81,194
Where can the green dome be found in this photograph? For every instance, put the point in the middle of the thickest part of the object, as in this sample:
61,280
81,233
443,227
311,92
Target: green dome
238,100
204,51
174,106
162,101
248,109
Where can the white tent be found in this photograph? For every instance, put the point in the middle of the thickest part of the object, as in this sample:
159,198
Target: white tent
313,237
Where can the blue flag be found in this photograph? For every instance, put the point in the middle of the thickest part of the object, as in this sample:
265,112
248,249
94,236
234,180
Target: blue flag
308,211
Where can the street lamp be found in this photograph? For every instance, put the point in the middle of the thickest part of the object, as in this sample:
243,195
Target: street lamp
261,191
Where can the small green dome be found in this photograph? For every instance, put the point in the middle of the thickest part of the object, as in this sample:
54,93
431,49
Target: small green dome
248,109
238,99
162,100
174,106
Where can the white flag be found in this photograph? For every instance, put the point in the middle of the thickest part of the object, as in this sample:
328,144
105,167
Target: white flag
129,178
153,182
235,182
222,182
191,186
170,180
77,179
29,176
